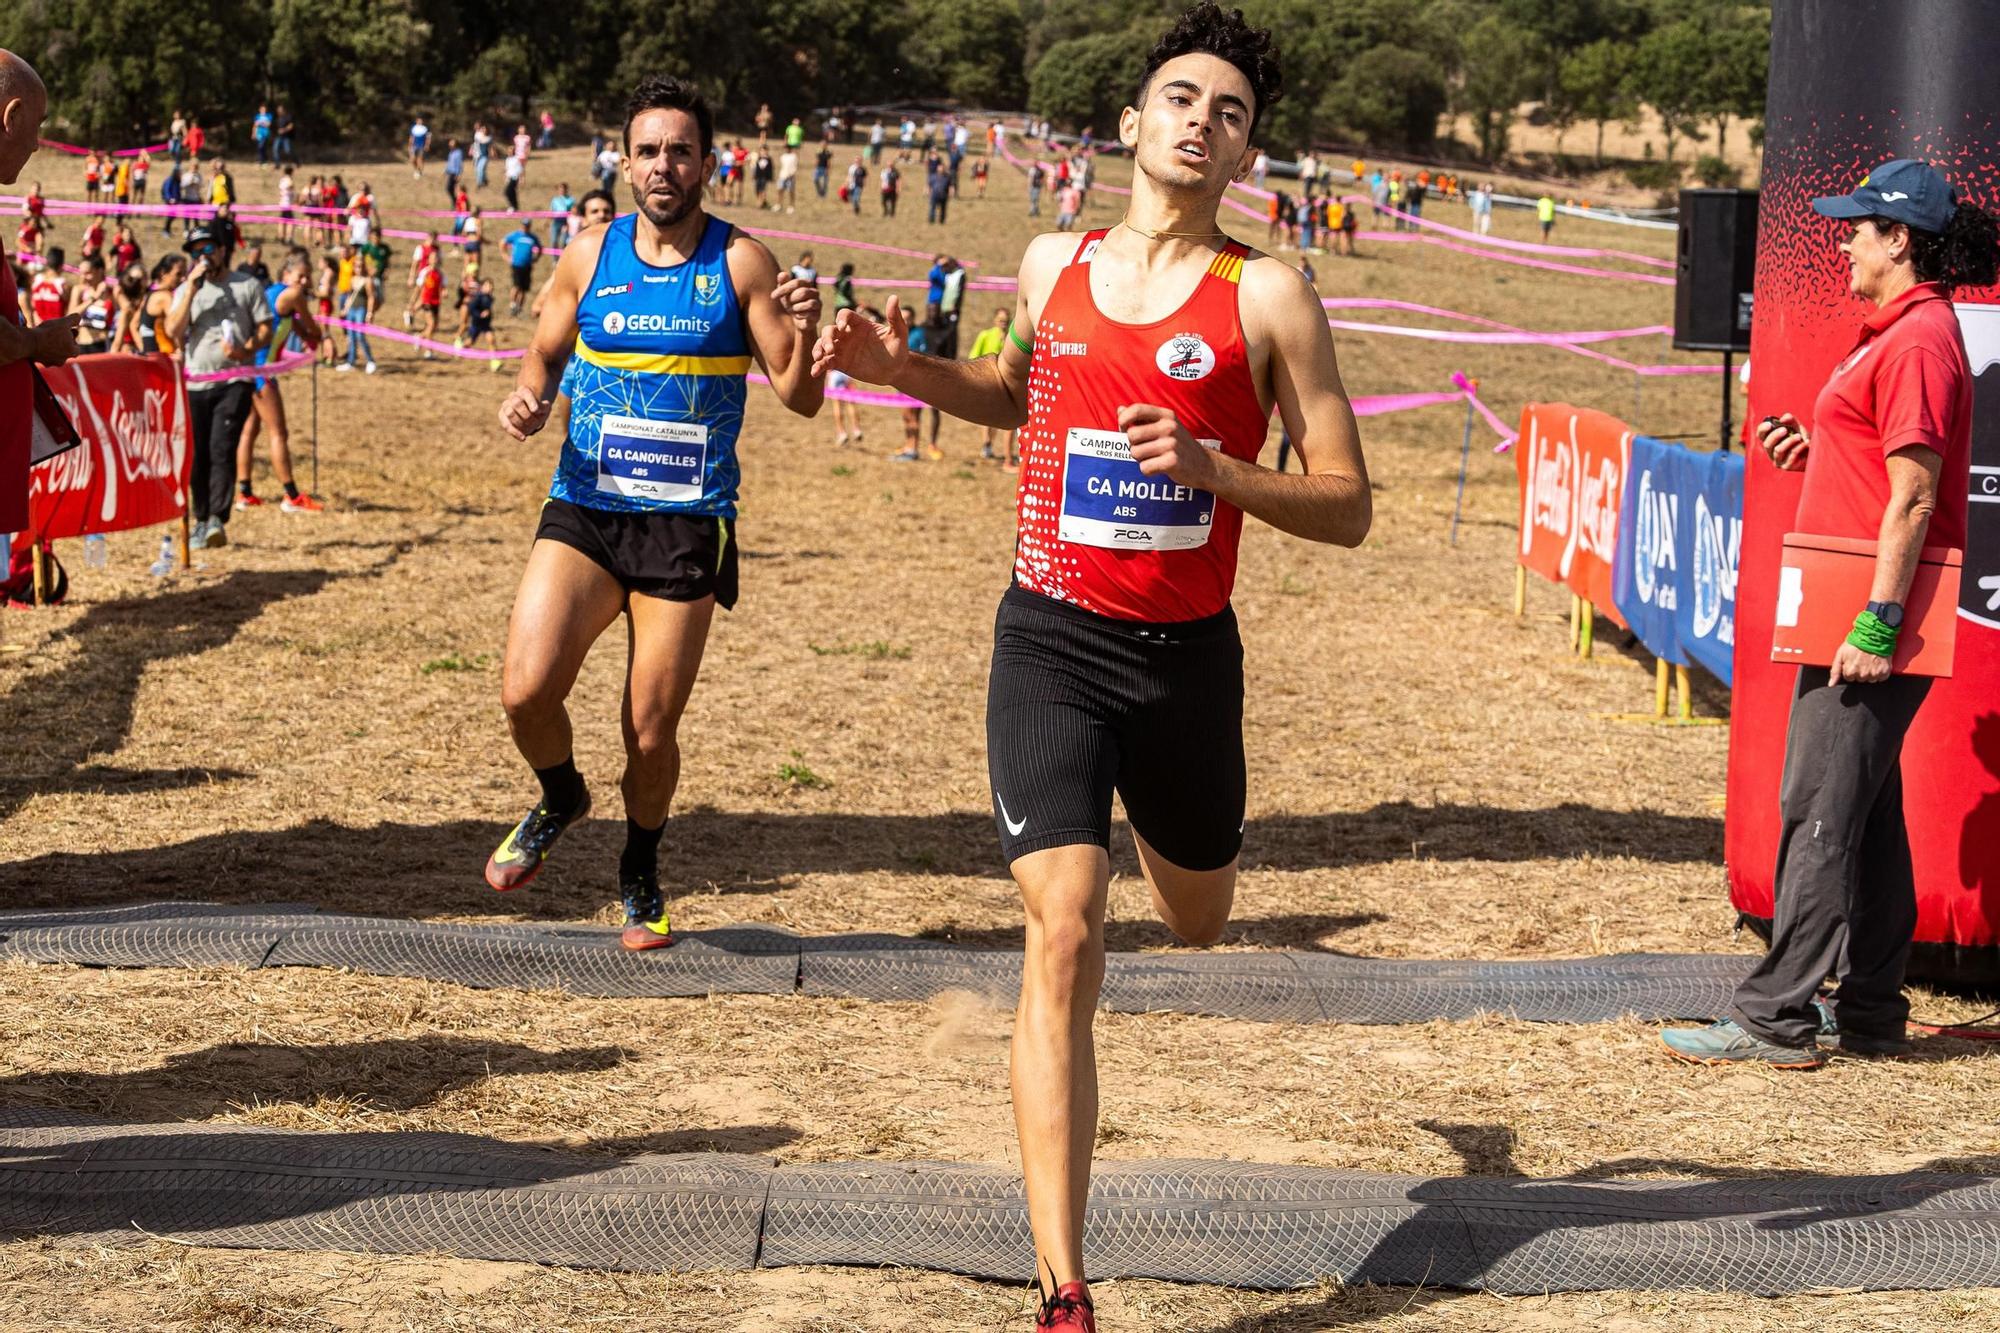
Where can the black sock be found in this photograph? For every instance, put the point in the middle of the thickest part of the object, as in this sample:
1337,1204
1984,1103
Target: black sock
642,849
242,486
291,490
562,787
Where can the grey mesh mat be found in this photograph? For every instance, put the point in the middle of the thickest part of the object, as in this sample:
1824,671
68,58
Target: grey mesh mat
63,1173
763,960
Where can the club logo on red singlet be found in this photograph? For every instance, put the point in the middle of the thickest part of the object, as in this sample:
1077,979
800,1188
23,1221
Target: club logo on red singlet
1185,356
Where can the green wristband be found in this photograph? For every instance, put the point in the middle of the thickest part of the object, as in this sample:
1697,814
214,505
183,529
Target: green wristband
1871,634
1025,344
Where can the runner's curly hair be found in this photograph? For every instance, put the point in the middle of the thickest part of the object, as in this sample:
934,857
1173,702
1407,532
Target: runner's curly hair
1208,29
664,92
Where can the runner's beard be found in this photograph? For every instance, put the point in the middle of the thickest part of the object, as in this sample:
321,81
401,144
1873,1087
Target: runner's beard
664,218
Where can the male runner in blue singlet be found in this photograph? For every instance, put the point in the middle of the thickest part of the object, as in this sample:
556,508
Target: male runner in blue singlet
652,323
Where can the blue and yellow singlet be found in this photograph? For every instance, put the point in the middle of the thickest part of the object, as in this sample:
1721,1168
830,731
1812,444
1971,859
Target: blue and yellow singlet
656,383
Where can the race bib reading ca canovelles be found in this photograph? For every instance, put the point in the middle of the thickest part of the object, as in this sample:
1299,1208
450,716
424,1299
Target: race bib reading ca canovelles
651,460
1108,501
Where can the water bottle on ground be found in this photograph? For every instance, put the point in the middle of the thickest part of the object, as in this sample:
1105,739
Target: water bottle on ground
165,564
96,552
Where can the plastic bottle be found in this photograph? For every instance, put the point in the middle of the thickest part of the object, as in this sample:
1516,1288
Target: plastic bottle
96,553
165,564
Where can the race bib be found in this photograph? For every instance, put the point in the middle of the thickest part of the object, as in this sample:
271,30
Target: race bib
1108,501
651,460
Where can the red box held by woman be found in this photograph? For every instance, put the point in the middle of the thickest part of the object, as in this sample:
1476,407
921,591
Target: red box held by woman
1823,582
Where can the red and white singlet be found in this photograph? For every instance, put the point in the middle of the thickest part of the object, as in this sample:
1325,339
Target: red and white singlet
47,296
1093,530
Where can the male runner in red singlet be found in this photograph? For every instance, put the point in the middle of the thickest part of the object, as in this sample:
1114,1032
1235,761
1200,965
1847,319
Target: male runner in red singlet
1142,368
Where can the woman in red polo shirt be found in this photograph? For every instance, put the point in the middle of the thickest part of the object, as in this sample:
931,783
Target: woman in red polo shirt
1888,461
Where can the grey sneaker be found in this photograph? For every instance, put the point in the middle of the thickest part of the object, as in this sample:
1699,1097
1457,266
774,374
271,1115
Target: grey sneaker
1725,1043
198,536
218,535
1856,1043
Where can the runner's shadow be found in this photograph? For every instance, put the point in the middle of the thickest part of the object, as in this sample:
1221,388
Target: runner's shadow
391,1074
85,708
432,869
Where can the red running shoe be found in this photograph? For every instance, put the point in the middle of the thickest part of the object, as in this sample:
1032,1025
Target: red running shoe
1070,1308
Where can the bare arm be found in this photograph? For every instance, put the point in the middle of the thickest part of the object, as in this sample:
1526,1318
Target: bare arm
1913,487
1331,502
526,410
990,391
783,318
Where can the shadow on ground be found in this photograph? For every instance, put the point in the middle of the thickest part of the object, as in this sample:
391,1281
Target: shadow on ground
419,869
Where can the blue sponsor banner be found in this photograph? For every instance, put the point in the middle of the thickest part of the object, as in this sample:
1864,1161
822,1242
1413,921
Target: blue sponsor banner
1680,530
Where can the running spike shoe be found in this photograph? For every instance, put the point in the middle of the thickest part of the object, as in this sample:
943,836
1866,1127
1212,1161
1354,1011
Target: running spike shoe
645,912
300,504
248,500
518,858
1069,1308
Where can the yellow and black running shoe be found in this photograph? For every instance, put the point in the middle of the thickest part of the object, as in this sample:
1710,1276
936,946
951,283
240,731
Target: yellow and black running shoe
518,858
645,912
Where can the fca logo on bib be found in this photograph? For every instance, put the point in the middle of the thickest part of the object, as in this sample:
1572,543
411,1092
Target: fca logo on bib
1186,356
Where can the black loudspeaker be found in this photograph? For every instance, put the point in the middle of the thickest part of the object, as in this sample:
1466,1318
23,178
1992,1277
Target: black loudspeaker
1715,266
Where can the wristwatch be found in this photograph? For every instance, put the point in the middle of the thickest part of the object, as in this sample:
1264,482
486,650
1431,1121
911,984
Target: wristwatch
1889,613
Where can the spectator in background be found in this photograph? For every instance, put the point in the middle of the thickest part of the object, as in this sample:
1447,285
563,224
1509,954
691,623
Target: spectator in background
23,104
260,134
170,194
197,139
482,153
283,131
517,167
522,142
843,289
562,203
607,167
1069,203
454,168
420,143
1036,178
548,138
788,179
522,248
220,318
988,343
857,185
142,163
177,130
1481,200
892,177
822,167
1545,213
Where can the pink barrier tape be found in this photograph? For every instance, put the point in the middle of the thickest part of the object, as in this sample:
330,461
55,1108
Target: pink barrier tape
1008,154
862,397
1389,303
1498,338
843,243
1526,261
1566,341
1508,243
284,365
78,150
87,208
1374,405
429,344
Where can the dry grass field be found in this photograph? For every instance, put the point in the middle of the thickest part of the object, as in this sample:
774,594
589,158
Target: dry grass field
312,715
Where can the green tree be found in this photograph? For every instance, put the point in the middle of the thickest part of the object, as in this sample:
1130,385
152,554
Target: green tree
116,68
1596,79
1501,64
1738,70
1670,73
973,52
1086,80
1390,97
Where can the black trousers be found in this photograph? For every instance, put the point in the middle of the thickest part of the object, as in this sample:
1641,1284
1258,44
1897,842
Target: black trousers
1846,898
218,415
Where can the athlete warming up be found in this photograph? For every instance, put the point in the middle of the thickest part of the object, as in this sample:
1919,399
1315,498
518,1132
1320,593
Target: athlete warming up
651,324
1142,368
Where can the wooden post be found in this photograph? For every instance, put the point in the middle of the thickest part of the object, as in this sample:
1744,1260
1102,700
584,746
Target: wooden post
1464,461
1681,683
40,590
1660,678
1589,614
1520,591
187,554
1575,634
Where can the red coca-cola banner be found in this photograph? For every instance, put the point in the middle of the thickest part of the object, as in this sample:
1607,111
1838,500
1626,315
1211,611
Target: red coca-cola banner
131,471
1571,462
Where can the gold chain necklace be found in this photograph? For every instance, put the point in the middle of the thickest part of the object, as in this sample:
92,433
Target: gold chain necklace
1156,235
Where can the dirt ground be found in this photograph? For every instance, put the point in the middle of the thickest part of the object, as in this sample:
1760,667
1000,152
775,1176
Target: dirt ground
312,715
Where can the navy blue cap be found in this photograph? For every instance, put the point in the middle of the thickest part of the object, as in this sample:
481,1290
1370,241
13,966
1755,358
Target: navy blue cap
1904,190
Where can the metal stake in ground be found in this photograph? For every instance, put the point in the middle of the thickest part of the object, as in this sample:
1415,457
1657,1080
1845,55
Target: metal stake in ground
315,421
1464,459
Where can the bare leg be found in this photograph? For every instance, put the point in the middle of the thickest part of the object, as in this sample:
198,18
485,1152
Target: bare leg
666,642
1054,1057
566,600
1194,903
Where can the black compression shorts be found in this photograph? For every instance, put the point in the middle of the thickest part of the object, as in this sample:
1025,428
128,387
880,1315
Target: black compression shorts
1080,705
677,557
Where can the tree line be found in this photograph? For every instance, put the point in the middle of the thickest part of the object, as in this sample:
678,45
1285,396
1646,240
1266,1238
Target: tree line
1379,73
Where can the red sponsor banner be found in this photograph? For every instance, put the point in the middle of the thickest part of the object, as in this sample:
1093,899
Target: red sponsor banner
1572,463
131,470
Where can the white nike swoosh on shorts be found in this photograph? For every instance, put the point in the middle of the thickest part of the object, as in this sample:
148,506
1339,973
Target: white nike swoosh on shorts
1013,828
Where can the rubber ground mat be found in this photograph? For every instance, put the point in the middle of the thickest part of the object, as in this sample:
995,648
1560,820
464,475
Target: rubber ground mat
586,960
67,1174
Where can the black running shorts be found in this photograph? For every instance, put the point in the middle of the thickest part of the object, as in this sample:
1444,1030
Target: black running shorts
1080,705
678,557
